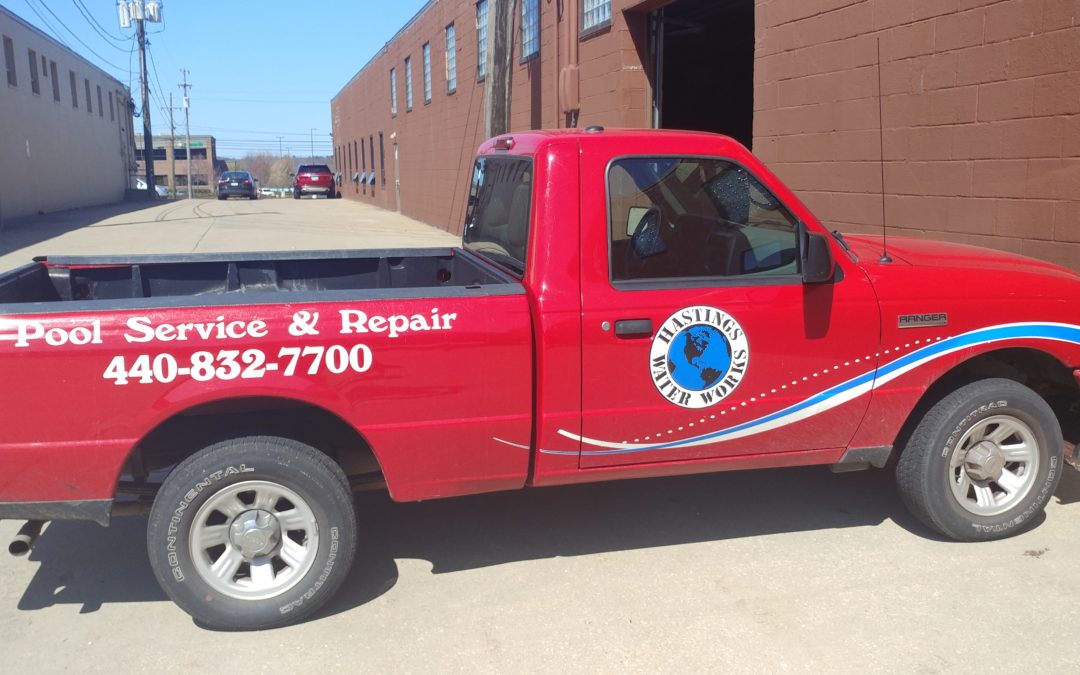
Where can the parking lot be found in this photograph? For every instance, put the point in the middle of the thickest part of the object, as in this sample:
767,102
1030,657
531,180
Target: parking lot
793,570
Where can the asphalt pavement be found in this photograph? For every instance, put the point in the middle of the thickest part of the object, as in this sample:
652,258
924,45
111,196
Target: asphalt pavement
790,570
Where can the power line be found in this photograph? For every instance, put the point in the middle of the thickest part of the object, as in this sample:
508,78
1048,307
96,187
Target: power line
52,29
74,35
98,28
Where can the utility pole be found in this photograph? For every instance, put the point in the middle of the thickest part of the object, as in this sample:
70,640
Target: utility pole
172,149
187,131
279,146
312,144
141,11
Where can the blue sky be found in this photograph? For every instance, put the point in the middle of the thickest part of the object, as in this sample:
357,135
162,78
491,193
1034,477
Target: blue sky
259,69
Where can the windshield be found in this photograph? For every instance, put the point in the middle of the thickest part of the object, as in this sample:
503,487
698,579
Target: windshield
497,220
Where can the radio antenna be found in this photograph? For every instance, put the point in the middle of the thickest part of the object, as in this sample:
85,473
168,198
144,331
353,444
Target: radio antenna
881,143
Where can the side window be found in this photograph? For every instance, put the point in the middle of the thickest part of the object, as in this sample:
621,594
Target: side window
674,218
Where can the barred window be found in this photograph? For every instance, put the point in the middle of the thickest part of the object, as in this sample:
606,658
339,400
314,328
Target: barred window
393,91
451,60
427,72
530,28
594,14
408,83
35,82
481,39
9,62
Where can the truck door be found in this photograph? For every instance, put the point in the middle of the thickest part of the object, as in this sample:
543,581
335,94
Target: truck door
700,339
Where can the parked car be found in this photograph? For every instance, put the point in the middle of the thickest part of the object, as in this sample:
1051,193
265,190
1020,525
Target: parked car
236,183
313,179
267,192
161,190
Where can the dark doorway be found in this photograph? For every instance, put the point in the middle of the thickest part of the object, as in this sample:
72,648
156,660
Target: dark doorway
704,77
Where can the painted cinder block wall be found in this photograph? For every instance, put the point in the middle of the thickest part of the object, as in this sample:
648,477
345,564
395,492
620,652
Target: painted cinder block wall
981,110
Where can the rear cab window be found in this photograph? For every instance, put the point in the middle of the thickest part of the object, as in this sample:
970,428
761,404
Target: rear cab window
497,219
695,218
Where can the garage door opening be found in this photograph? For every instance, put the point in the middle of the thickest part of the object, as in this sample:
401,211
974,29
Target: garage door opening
704,78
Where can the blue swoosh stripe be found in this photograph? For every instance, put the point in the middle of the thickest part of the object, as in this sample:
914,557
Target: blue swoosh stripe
1046,331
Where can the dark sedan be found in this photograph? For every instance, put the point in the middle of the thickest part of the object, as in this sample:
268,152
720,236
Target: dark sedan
237,184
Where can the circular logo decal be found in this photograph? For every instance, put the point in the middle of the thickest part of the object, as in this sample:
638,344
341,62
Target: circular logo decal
698,356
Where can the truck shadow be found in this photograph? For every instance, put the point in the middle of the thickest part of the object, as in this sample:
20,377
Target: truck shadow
83,564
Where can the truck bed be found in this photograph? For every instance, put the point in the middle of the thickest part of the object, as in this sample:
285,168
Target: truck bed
242,275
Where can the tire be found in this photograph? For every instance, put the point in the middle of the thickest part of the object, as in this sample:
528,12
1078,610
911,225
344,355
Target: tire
296,194
983,463
205,517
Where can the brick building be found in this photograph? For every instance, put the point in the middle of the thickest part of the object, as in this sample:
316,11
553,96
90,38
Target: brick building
980,101
205,166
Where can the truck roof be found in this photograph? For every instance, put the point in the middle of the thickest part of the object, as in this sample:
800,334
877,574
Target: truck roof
527,142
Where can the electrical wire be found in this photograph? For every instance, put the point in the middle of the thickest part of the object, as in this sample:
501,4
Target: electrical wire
52,29
112,41
73,34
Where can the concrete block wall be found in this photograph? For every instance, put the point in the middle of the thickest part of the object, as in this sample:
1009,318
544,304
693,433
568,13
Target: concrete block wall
981,110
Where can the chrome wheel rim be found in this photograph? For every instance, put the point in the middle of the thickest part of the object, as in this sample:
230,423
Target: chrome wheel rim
254,540
993,467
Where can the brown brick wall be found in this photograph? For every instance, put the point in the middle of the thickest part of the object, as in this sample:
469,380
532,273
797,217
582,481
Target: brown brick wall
981,106
981,116
436,141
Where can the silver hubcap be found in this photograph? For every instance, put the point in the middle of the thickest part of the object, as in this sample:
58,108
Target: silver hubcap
254,540
994,465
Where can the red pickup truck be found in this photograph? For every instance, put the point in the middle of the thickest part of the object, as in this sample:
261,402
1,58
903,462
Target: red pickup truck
625,304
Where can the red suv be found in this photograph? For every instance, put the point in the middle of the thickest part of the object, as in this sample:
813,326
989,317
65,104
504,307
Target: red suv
313,179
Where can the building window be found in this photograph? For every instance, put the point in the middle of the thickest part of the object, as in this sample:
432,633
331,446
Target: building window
382,162
74,90
9,61
112,110
393,92
530,28
595,14
371,155
55,81
35,81
481,39
408,83
198,153
451,60
89,105
363,156
100,107
427,72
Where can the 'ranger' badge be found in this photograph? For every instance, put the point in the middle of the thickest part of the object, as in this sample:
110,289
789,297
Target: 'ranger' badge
699,356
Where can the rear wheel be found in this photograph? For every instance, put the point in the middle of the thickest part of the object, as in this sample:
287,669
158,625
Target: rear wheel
983,462
252,533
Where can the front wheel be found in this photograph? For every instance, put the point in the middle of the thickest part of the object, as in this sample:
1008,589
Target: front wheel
983,462
252,533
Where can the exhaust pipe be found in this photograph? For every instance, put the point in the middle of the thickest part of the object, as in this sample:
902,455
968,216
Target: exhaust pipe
24,540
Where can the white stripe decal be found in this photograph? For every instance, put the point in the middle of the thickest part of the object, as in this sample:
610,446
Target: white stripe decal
844,392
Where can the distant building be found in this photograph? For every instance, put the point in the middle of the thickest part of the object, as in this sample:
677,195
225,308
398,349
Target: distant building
205,166
980,102
65,126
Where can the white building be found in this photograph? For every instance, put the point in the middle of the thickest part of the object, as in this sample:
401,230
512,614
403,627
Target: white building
65,126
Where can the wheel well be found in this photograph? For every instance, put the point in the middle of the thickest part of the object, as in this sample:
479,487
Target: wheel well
184,434
1039,371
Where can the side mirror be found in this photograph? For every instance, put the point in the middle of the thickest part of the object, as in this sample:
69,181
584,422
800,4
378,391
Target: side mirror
292,175
817,261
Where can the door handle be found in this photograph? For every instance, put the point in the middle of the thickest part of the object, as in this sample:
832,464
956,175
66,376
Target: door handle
633,328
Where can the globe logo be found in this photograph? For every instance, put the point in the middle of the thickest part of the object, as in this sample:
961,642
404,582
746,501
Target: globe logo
699,356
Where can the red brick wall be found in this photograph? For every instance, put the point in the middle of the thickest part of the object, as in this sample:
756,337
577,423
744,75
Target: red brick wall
981,116
437,141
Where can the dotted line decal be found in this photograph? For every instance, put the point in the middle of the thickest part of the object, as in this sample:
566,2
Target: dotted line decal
794,383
